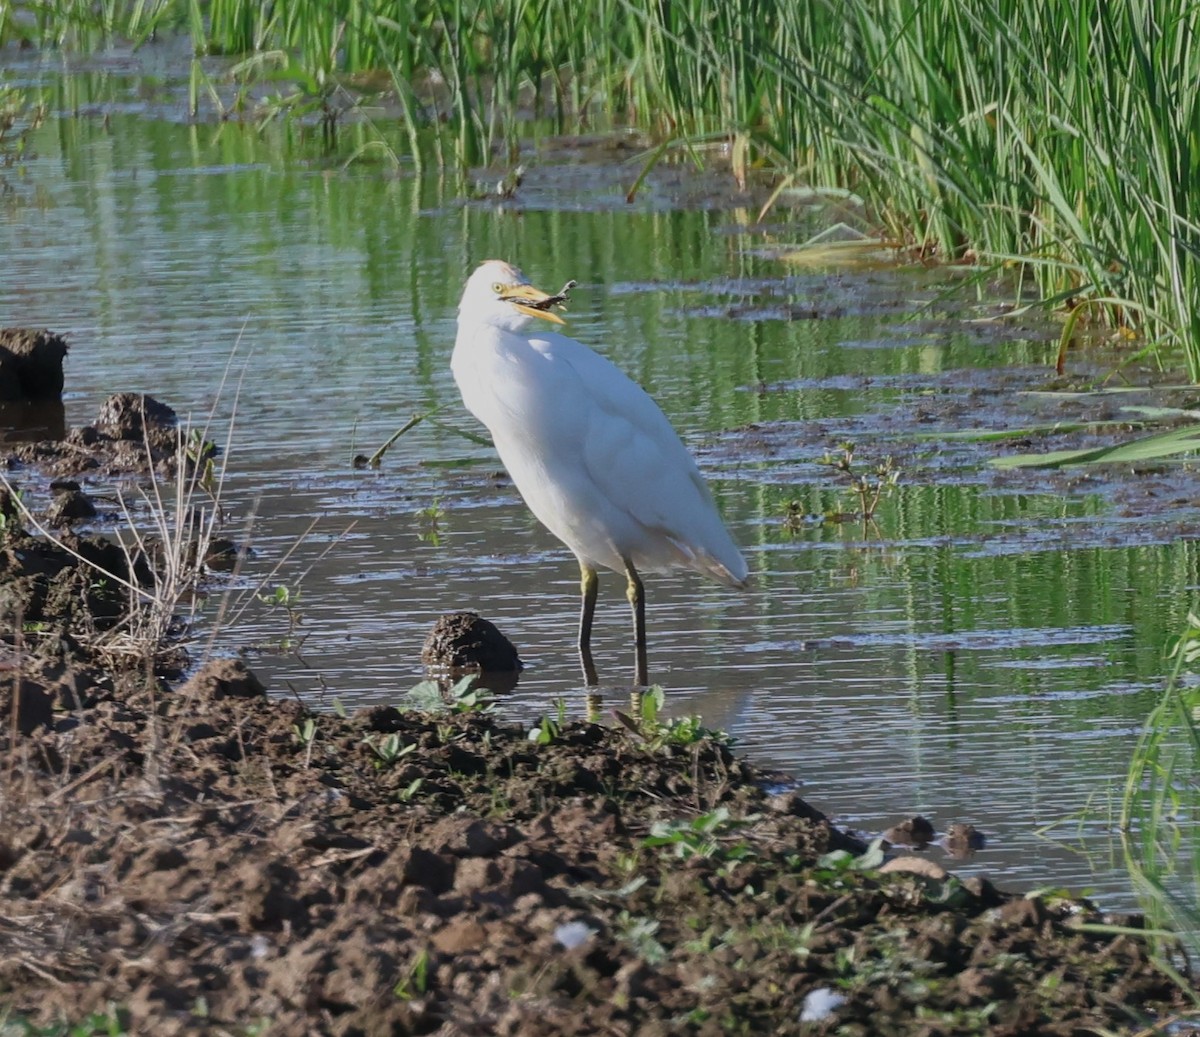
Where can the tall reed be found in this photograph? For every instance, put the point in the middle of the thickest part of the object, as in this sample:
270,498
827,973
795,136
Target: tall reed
1060,137
1060,134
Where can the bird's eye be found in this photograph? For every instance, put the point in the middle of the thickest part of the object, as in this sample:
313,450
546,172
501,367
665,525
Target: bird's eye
497,288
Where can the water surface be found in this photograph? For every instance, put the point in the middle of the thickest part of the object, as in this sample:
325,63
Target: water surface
984,653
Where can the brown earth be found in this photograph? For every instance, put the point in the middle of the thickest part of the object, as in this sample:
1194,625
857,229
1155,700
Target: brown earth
465,639
203,858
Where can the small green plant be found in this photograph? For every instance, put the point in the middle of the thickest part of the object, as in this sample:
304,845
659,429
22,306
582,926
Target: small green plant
389,750
305,736
464,696
640,933
547,730
284,598
701,837
834,866
659,732
467,696
288,600
406,794
627,866
305,733
415,982
200,452
430,519
868,488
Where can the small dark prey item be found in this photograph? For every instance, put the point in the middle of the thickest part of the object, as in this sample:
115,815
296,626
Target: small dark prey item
553,300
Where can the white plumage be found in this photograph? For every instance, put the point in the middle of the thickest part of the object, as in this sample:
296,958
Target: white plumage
594,457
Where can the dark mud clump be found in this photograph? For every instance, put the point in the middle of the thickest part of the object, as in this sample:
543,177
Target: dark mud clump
31,384
31,365
916,832
73,587
465,641
133,416
70,505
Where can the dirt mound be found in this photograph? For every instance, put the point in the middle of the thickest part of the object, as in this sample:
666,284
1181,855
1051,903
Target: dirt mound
464,640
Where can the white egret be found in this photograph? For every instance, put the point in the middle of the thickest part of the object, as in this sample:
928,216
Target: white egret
594,457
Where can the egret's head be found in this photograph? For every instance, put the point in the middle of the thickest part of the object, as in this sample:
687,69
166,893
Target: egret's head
500,295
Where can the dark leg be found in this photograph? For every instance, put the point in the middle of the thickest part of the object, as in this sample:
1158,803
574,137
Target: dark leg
589,584
637,601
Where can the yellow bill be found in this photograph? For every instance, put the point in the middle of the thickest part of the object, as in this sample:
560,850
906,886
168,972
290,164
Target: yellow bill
538,302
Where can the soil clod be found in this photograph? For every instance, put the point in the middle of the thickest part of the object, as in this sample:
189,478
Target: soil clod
31,364
961,841
129,415
70,505
464,640
133,434
916,832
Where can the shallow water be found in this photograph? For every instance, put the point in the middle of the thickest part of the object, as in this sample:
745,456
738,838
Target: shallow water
984,654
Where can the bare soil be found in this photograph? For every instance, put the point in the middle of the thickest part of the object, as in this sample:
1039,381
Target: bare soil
202,857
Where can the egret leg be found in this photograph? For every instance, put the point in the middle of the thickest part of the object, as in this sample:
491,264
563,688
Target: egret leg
637,601
589,585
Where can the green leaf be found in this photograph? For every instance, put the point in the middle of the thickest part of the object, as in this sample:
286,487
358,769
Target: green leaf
988,435
426,696
1147,448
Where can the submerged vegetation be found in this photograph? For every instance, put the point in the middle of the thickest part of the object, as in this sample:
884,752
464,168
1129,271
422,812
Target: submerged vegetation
1057,137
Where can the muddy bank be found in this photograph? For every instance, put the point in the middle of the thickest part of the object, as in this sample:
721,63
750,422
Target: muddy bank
207,858
132,434
404,873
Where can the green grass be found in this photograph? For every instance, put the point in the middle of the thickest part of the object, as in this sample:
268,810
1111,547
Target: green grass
112,1023
1058,137
1161,805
